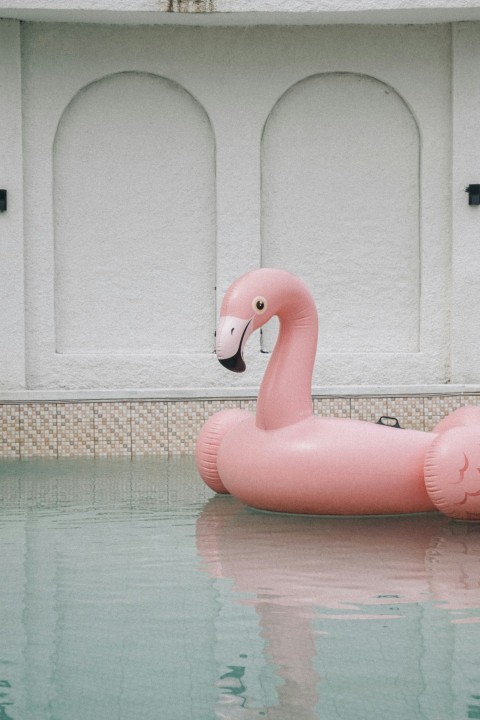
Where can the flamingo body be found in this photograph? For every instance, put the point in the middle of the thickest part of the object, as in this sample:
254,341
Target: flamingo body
320,466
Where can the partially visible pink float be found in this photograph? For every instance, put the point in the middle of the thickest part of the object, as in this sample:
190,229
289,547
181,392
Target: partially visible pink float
285,459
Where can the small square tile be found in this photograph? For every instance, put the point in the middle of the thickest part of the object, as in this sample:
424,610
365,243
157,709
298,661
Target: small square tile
368,408
470,400
437,406
332,407
75,429
38,430
185,420
149,428
250,404
113,434
409,411
214,406
9,431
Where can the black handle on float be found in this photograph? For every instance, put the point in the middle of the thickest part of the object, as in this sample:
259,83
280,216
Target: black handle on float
391,421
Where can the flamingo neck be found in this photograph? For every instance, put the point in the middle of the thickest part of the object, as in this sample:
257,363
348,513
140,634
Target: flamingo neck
285,395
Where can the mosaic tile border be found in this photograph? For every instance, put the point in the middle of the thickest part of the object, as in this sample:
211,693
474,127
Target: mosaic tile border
128,428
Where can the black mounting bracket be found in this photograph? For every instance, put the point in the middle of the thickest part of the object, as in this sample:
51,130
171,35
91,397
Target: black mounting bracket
473,194
3,200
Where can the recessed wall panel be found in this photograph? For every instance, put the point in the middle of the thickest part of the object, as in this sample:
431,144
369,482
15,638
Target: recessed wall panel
340,207
134,220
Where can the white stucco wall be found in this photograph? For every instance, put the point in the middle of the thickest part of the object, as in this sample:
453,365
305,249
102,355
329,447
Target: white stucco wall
210,115
466,220
12,315
242,12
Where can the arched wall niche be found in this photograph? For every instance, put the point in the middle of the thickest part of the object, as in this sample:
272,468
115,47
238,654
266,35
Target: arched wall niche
341,207
134,220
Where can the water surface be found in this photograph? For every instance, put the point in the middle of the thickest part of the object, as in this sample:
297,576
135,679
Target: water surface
128,591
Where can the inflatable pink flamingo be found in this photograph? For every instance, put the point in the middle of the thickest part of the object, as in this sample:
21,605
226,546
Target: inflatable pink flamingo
288,460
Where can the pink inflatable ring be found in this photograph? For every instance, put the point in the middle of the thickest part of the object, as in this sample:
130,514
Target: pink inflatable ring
288,460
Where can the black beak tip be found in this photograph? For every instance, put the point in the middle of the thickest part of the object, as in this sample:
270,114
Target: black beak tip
235,363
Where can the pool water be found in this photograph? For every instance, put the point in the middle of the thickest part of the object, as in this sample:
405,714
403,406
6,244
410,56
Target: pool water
128,591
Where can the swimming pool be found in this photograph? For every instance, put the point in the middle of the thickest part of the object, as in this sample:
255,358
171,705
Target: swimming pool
129,591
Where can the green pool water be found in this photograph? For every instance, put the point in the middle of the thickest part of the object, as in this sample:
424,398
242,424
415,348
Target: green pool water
128,591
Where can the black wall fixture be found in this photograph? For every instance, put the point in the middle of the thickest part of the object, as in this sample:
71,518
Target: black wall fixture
473,194
3,200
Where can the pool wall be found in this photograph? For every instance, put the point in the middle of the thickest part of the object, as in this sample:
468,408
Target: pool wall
123,230
160,427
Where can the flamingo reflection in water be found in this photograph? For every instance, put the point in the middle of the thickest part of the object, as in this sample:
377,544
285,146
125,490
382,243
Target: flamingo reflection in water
303,575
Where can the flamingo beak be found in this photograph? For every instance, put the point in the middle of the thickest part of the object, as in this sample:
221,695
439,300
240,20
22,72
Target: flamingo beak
232,334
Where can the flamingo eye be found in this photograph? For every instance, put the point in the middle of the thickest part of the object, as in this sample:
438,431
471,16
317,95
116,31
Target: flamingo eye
259,305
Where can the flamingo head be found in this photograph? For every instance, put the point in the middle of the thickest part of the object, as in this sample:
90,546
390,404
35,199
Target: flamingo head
249,303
